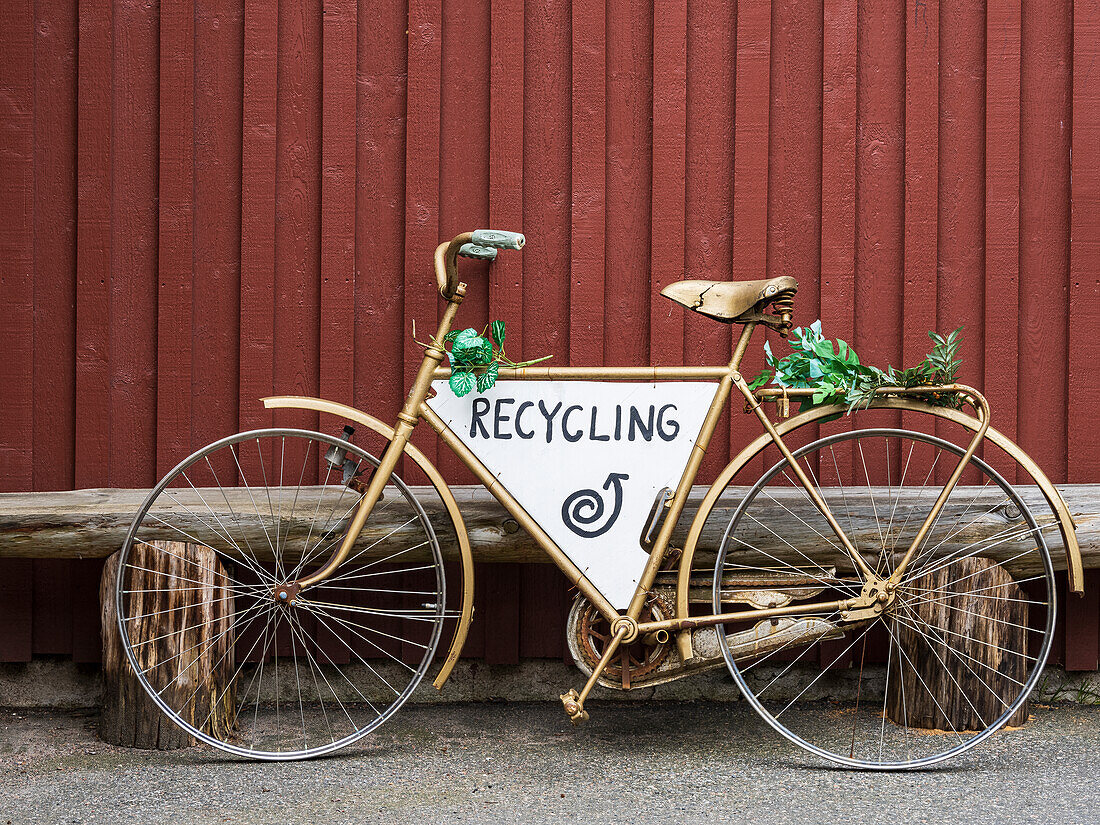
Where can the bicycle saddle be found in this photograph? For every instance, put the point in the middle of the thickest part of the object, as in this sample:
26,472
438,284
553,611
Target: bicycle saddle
729,301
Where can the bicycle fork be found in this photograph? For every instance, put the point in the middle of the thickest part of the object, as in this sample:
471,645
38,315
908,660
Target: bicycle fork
407,420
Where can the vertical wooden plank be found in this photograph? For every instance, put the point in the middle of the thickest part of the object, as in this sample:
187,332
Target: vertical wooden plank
380,209
1083,614
17,301
257,301
589,133
795,152
922,155
52,624
1083,626
132,330
840,156
17,184
961,288
422,181
708,248
629,102
1002,217
669,171
752,99
1045,46
880,194
338,200
750,150
505,287
1084,297
95,78
337,299
465,153
794,172
217,177
54,245
176,240
546,222
506,182
54,381
838,164
297,205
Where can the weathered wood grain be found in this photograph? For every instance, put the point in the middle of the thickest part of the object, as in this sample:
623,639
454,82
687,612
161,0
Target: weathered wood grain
93,523
204,688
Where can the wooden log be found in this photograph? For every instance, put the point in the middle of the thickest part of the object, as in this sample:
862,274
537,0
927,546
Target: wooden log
93,523
972,680
197,685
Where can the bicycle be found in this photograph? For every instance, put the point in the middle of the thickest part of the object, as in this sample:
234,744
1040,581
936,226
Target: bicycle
323,593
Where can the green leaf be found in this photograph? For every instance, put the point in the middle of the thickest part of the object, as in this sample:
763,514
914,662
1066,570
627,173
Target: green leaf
760,380
497,331
472,349
488,378
462,382
450,336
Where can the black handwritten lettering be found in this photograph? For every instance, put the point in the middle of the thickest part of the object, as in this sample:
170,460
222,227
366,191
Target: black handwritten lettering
519,414
549,416
480,409
646,429
592,429
565,424
499,418
672,424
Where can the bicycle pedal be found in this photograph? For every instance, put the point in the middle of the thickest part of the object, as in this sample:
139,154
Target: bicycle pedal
570,700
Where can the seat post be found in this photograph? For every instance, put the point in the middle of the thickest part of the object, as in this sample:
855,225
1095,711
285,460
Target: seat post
742,345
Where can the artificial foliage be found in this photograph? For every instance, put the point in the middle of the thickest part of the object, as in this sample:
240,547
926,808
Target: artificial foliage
476,358
833,370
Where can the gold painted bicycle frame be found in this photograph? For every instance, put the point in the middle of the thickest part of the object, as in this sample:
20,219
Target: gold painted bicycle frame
876,591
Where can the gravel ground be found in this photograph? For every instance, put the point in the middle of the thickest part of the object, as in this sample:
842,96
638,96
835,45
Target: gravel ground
490,763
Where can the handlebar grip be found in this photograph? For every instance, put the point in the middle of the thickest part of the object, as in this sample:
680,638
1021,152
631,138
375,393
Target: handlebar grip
498,239
483,253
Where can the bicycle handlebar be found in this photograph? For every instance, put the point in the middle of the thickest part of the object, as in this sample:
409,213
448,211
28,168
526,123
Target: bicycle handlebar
481,244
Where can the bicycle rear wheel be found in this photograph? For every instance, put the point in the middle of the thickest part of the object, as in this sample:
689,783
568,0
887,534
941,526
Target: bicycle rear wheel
197,584
950,661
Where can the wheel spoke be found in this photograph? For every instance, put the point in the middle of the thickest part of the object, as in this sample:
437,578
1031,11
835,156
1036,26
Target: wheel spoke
949,649
204,621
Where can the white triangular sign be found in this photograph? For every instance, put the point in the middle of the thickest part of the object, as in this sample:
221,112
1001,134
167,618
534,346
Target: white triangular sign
586,459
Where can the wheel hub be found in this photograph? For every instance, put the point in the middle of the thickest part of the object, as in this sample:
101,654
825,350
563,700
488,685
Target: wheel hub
286,594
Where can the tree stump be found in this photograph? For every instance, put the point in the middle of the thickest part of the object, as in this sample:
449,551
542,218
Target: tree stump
181,622
988,677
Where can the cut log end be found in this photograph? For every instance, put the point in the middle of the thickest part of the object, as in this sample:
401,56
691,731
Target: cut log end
178,623
983,677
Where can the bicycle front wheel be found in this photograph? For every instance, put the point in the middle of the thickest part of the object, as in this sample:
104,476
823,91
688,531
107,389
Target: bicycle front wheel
200,613
953,656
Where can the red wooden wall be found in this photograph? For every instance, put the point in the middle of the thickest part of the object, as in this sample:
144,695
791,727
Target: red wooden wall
209,201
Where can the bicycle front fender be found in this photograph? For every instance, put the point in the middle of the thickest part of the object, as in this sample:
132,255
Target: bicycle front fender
301,402
1074,566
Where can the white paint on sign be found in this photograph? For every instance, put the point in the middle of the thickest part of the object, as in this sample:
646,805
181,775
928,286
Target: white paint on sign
586,460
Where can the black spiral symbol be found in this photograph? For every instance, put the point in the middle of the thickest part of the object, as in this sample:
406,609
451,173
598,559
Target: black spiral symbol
586,507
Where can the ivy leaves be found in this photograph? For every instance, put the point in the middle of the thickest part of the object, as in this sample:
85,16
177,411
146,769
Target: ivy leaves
476,358
834,372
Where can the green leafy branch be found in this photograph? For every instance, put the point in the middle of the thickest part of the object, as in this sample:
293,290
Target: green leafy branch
476,359
833,370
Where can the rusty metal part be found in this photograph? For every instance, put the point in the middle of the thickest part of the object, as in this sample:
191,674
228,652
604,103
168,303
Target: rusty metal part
590,632
287,593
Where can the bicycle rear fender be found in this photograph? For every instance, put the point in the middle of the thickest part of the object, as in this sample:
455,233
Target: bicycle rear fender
1074,565
302,402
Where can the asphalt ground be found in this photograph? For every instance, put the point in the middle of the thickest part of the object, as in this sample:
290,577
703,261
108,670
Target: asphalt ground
516,762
